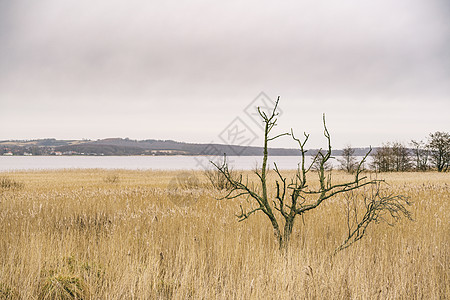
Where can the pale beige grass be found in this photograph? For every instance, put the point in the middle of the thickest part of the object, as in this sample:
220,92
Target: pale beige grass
128,240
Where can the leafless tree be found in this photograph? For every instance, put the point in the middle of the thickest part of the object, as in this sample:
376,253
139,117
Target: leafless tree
294,197
348,161
421,154
391,157
382,158
401,159
439,144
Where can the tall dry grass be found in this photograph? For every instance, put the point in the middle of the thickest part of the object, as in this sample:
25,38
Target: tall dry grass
96,234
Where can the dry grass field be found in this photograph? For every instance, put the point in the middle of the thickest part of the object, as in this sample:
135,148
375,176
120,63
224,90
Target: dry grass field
96,234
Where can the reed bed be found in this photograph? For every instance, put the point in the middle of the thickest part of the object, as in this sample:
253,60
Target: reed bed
99,234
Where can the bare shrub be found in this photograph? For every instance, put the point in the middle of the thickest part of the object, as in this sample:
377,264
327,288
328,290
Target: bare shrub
217,179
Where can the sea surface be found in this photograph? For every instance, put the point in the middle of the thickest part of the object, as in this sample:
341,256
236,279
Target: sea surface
14,163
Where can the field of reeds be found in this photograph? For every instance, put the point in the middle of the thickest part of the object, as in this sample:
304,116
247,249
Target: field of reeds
97,234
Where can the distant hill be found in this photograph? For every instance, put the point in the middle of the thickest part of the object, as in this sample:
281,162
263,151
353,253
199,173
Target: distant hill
120,146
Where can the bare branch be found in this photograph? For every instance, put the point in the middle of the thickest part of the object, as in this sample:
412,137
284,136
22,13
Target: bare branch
377,208
244,215
280,135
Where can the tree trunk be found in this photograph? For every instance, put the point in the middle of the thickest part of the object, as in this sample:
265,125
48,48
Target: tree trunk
288,226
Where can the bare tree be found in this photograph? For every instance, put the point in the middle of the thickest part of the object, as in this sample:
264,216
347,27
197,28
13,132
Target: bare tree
348,161
294,197
439,144
400,157
391,157
421,153
382,158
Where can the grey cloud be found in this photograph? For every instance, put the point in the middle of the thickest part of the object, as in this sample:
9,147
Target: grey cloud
193,51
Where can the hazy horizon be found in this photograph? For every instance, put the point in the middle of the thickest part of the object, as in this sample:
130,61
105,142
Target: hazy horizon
187,71
142,140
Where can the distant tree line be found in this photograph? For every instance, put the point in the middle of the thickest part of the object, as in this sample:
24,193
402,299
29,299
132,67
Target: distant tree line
432,154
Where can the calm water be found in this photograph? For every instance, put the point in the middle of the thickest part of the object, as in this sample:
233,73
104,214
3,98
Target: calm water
11,163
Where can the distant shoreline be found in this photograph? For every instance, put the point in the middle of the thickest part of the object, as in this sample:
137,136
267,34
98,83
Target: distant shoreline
127,147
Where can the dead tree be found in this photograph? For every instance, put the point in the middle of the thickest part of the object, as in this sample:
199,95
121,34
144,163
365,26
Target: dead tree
371,205
294,197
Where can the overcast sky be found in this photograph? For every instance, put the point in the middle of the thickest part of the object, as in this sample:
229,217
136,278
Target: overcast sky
184,70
